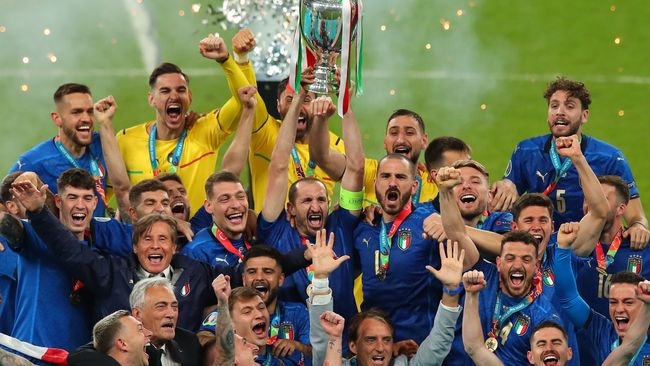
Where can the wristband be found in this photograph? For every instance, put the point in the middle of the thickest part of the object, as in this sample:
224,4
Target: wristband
351,201
319,285
453,292
240,59
638,222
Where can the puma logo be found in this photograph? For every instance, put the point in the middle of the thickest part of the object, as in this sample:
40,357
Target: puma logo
20,165
541,176
366,241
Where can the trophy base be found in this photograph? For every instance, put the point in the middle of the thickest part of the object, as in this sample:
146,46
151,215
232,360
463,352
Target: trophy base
322,88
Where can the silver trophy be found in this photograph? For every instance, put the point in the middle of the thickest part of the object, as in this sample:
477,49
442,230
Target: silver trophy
321,26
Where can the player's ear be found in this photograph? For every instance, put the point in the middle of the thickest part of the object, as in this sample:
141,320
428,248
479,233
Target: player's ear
584,116
150,98
54,116
531,359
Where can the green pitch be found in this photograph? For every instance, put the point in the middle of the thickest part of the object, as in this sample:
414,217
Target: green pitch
474,69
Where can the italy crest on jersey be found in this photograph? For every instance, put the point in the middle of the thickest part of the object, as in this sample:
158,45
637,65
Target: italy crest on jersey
185,290
404,239
286,330
646,361
635,264
521,325
548,277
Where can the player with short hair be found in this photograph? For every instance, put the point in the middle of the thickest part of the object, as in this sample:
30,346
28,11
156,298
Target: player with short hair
169,144
308,204
77,146
628,305
535,165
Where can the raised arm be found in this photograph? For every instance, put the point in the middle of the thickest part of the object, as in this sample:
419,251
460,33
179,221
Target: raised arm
104,110
436,346
326,327
565,283
225,343
278,178
636,335
474,282
592,223
452,221
214,48
331,161
236,156
78,259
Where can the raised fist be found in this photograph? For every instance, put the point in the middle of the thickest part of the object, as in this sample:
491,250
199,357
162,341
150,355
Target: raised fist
447,178
214,48
248,96
105,109
243,42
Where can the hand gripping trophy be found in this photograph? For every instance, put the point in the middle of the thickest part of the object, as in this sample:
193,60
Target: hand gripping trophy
329,28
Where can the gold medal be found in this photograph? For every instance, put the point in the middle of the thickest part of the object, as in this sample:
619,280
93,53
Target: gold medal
491,344
309,290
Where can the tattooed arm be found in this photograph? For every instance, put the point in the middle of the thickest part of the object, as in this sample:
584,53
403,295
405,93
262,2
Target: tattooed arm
225,343
10,359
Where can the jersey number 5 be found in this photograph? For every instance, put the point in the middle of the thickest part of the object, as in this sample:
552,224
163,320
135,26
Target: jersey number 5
560,202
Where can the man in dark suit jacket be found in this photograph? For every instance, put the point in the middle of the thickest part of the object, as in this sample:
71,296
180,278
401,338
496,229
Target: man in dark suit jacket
111,278
118,340
154,304
155,309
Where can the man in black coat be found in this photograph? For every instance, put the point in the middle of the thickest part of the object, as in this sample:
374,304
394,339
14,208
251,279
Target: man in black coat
111,278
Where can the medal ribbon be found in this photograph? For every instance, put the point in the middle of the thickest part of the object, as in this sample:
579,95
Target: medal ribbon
176,156
560,167
604,261
296,162
499,318
223,239
310,268
275,325
385,239
481,220
415,198
96,168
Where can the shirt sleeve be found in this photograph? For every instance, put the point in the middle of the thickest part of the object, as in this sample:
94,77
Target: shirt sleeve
622,169
566,289
437,345
317,335
515,171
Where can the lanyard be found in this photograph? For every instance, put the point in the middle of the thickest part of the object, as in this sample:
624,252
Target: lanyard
636,355
481,220
96,168
604,261
310,268
275,325
296,162
560,167
176,156
385,240
499,318
223,239
415,198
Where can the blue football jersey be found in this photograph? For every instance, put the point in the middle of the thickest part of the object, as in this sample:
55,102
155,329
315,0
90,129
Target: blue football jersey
599,339
289,321
8,276
45,160
531,170
206,248
594,286
409,293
